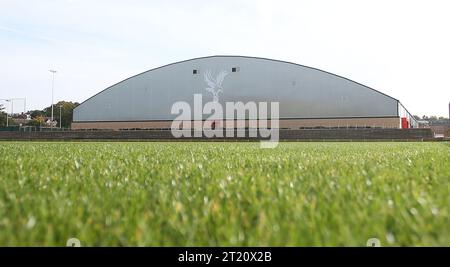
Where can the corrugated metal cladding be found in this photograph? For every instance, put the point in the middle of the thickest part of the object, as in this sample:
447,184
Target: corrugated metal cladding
302,92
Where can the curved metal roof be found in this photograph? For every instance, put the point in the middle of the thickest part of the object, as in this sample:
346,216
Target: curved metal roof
250,57
303,91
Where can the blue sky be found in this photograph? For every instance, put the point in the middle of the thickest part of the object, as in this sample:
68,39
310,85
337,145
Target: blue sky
398,47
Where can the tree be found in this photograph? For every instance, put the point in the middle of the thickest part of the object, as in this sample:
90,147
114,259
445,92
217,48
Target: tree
36,113
67,112
2,116
434,120
37,121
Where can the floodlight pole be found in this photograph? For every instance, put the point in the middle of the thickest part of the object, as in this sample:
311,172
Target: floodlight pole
7,117
12,107
53,86
60,116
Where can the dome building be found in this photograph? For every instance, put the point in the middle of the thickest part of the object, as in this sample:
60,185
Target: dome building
307,97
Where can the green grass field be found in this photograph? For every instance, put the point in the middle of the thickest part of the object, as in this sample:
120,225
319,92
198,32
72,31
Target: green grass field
225,194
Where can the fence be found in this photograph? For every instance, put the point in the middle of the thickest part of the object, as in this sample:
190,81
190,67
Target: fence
285,134
18,128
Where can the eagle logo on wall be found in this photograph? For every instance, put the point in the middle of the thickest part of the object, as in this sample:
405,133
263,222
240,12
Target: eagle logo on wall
215,84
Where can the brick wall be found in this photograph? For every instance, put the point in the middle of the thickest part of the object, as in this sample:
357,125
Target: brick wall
283,123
